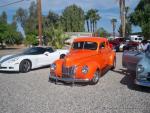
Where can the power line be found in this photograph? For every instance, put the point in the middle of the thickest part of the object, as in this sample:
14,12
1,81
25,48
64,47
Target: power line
11,3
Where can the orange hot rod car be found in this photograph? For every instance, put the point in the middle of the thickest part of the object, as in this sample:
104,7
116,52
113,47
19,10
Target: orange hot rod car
86,61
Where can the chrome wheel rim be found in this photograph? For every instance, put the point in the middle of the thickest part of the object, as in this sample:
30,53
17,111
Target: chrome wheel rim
26,66
96,77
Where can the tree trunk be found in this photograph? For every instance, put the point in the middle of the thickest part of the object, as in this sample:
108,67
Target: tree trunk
91,26
87,22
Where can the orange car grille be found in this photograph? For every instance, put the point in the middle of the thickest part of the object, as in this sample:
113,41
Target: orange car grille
68,71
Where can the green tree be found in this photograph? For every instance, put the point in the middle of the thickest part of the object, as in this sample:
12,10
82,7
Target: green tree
93,17
21,17
31,40
3,28
113,22
56,37
141,17
72,19
28,19
101,32
87,21
3,17
9,35
52,19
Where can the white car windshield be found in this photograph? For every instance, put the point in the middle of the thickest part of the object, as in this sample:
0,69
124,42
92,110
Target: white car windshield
37,50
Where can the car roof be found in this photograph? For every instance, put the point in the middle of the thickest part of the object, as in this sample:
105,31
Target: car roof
42,47
92,39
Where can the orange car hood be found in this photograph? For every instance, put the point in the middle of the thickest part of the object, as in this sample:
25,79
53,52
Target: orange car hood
76,57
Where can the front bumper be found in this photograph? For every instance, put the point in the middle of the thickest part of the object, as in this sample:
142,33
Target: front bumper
68,80
142,83
9,67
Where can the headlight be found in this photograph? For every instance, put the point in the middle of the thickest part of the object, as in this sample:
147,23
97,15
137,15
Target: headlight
53,66
140,68
85,69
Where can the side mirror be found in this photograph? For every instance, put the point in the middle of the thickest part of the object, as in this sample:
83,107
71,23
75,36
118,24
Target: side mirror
46,53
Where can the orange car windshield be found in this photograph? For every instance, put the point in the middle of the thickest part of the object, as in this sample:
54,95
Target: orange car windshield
85,45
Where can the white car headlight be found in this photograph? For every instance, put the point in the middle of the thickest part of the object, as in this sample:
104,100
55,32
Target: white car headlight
85,69
53,66
140,68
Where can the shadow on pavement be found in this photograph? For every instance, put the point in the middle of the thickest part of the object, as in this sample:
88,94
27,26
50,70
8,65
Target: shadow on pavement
9,72
128,80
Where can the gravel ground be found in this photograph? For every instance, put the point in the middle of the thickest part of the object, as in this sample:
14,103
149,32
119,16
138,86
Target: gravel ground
32,93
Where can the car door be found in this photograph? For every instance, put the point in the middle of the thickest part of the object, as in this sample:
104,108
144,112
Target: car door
102,54
52,55
41,58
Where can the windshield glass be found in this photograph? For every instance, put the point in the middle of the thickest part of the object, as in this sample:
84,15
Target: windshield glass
85,45
34,51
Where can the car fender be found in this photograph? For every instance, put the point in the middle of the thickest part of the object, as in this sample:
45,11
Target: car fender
93,66
111,58
58,70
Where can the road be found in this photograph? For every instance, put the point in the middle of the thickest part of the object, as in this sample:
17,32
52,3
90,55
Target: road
32,93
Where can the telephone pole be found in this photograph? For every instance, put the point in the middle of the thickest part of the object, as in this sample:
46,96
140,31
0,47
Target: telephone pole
39,21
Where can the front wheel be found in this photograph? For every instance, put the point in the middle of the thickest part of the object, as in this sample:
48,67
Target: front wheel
96,77
25,66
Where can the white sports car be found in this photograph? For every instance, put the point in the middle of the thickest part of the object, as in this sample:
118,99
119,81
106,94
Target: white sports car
31,58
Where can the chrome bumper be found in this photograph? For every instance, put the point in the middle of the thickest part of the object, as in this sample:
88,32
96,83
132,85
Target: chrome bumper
68,80
142,83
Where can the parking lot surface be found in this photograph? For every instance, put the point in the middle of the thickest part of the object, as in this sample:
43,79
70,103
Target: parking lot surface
32,93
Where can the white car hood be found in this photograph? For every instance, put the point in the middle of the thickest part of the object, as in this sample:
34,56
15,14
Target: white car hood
8,57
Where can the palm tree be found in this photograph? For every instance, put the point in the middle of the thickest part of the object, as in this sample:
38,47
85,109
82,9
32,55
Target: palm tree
87,21
93,17
96,18
113,22
90,14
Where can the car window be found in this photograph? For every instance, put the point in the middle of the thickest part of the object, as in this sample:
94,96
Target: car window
50,49
90,45
77,45
102,45
35,51
85,45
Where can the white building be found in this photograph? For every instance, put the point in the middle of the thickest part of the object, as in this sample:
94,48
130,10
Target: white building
74,35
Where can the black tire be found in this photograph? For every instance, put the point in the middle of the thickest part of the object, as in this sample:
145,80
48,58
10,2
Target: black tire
96,77
25,66
114,64
62,56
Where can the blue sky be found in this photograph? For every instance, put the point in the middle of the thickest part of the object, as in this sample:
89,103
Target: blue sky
107,9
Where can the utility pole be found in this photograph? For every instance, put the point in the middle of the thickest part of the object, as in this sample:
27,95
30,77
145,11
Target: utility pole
39,21
122,16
